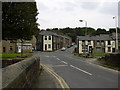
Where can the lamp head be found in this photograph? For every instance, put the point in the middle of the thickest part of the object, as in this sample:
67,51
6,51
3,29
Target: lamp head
81,20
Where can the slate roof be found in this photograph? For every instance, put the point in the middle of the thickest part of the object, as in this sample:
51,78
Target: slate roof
114,36
52,33
97,37
47,33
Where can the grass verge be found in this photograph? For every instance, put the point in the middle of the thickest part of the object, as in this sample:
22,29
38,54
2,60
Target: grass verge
13,55
99,54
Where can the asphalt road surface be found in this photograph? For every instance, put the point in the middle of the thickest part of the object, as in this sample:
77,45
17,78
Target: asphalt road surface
76,72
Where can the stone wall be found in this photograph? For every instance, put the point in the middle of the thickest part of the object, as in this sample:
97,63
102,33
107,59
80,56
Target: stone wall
21,74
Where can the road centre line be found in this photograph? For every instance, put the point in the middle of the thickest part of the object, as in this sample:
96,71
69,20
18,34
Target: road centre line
47,56
54,56
81,70
64,62
58,59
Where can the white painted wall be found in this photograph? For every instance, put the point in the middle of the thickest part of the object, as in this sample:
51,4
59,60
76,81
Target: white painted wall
113,44
106,46
47,42
80,47
92,43
86,43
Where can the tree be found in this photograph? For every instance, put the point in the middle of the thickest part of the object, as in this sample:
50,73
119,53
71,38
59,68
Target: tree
91,31
100,31
19,20
113,30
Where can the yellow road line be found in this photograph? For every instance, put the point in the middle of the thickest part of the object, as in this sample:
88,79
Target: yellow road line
61,81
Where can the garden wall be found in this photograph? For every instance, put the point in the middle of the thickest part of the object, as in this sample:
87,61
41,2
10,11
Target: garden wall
111,60
21,74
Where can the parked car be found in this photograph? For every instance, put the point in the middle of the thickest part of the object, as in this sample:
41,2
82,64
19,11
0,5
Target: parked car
68,46
73,44
63,49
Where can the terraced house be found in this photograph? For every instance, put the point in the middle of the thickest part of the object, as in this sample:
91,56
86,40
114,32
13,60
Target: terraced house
100,44
50,41
16,46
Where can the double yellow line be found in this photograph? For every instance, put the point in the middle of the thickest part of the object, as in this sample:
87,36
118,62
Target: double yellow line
61,81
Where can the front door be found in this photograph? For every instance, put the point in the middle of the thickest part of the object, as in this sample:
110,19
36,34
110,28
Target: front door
45,47
4,49
19,49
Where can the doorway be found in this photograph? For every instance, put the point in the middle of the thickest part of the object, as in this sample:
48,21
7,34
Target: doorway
4,49
45,47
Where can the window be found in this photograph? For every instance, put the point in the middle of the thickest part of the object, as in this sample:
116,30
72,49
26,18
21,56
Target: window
11,41
98,42
54,46
102,42
113,49
49,37
109,43
45,37
98,49
113,43
49,46
24,47
89,42
4,49
83,42
109,49
85,48
11,48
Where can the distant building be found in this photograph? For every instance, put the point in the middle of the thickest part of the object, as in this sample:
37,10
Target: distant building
113,35
100,44
50,41
16,46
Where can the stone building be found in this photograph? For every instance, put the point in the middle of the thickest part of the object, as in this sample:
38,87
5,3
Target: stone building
50,41
16,46
98,44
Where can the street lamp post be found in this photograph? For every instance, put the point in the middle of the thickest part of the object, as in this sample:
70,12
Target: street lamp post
116,33
85,26
85,32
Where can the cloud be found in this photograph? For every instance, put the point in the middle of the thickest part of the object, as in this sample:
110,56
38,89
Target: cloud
66,13
41,6
68,6
119,14
109,8
89,5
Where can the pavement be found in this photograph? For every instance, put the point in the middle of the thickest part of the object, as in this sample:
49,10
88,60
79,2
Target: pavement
49,79
45,80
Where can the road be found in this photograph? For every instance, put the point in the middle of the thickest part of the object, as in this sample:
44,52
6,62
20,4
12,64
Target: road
76,72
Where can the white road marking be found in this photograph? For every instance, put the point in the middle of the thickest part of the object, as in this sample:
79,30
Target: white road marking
58,59
47,56
54,56
81,70
59,65
64,62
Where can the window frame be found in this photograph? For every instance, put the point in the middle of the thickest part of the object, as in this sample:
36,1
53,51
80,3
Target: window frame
49,38
11,48
49,45
45,37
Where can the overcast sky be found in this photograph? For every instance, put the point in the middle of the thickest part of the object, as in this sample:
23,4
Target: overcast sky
67,13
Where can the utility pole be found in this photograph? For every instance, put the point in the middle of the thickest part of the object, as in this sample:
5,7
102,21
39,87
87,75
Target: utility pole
116,32
85,32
